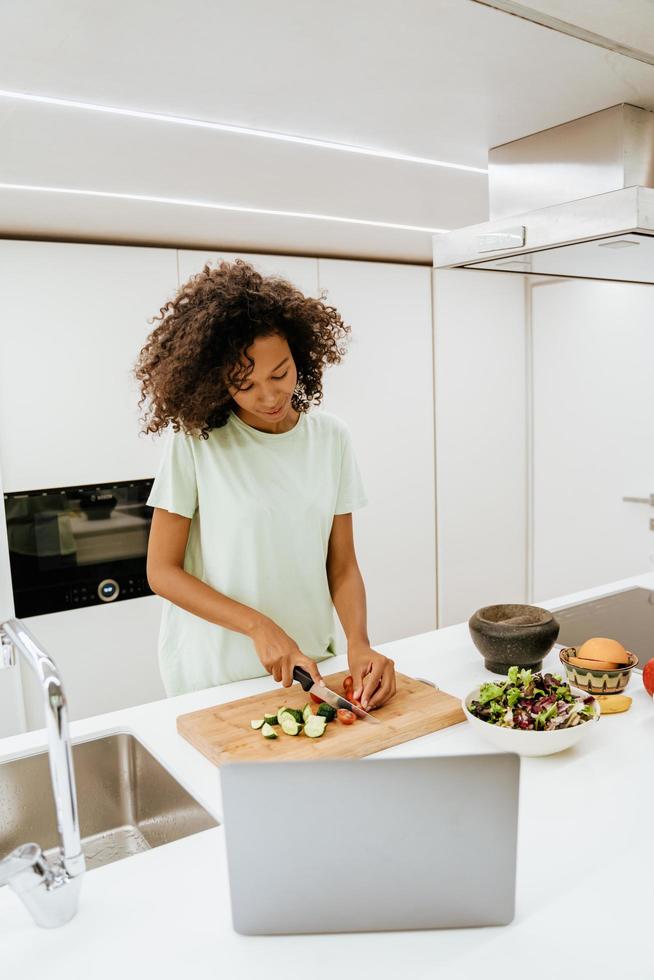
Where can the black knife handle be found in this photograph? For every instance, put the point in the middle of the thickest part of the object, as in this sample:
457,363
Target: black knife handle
302,677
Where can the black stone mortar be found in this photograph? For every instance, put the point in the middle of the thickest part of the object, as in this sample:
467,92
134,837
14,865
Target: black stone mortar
513,635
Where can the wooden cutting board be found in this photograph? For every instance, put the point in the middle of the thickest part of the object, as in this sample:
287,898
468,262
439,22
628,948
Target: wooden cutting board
223,733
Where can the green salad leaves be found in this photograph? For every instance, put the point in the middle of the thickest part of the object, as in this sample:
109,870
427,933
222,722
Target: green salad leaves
531,702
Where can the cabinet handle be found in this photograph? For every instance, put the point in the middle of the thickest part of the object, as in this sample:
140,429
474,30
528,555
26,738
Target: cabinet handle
641,500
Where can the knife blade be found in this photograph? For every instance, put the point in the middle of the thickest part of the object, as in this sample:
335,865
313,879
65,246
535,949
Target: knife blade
336,700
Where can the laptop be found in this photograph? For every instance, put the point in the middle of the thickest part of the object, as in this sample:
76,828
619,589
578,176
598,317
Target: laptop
374,844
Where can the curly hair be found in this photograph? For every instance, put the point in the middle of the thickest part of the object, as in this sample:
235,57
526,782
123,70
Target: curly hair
193,354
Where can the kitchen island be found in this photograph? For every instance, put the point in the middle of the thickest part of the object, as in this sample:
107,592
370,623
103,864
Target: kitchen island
584,879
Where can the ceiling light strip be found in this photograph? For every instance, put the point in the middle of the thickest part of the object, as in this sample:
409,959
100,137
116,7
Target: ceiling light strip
189,202
238,130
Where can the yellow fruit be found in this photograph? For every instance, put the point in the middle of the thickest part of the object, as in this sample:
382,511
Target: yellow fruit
613,704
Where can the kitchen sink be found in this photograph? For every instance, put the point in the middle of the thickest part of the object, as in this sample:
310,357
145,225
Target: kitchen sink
127,801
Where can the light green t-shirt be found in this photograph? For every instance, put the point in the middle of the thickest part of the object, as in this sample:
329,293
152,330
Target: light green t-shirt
262,506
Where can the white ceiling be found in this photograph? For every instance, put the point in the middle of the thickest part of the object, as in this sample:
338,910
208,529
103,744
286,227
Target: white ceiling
443,79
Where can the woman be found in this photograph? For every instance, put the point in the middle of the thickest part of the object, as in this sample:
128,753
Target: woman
251,543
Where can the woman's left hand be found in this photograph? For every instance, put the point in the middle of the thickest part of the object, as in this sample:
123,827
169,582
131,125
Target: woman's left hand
373,675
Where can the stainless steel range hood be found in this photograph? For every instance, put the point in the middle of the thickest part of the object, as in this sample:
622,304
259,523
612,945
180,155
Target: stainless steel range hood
576,200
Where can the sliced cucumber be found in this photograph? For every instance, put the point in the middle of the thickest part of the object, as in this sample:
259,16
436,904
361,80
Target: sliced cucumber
259,723
270,719
326,711
280,712
307,713
295,713
268,731
290,725
315,726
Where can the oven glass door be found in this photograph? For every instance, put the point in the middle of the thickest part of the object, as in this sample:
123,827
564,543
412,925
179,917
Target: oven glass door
72,546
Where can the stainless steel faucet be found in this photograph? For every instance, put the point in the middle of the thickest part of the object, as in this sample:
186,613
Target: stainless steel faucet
48,888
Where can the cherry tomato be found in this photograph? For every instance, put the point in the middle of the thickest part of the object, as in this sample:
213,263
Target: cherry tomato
346,717
317,700
348,691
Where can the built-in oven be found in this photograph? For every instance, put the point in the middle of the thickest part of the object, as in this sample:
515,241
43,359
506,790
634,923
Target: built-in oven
78,546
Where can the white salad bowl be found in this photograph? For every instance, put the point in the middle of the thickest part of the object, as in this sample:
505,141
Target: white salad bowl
527,742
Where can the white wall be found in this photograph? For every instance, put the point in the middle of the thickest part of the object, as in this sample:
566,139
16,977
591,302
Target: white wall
481,445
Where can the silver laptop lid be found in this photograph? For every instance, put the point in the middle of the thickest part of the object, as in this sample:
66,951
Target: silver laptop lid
375,844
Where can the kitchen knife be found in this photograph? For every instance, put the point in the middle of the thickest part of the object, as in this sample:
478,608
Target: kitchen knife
336,700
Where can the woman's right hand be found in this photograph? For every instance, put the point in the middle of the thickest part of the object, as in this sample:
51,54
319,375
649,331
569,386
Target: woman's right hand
279,654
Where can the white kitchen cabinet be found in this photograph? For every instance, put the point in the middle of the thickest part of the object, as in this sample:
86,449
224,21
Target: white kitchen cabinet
12,708
107,655
68,414
593,412
302,272
73,320
389,309
383,389
482,414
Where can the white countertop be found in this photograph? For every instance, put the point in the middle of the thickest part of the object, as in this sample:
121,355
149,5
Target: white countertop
585,865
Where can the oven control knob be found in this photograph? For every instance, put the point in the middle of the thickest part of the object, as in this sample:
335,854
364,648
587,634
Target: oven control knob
108,590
